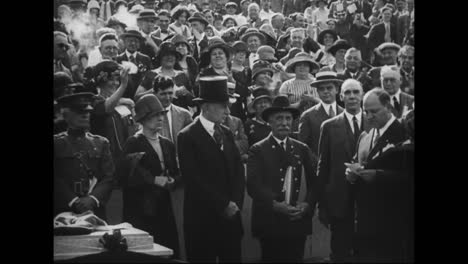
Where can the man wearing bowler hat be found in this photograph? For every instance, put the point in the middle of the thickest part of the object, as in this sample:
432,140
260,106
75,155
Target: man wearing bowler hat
389,54
133,39
199,40
283,196
146,21
212,170
83,165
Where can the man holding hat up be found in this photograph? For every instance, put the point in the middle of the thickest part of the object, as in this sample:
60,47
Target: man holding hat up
214,179
146,21
83,165
141,63
283,198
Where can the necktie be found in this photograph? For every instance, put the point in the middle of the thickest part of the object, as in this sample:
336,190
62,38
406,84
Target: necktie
331,113
195,50
387,33
166,127
396,105
376,137
218,135
283,145
356,128
132,59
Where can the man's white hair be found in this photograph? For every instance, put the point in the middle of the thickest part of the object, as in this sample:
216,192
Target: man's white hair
353,49
253,5
351,82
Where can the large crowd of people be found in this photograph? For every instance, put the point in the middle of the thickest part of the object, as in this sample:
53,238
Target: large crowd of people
305,106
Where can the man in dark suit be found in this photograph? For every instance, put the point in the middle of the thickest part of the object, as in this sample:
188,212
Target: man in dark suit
281,211
364,7
311,120
337,142
400,101
214,179
381,189
356,69
83,165
132,40
199,40
146,21
385,31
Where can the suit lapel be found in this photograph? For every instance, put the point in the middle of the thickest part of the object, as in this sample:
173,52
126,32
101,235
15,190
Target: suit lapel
150,150
347,134
383,140
322,112
205,136
175,119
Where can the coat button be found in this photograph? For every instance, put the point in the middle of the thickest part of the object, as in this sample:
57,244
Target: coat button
295,179
282,179
281,169
297,191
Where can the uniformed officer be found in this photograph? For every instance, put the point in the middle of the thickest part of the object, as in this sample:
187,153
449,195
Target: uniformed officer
83,166
284,198
256,128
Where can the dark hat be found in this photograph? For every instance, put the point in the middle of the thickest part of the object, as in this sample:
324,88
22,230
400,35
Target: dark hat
120,2
280,104
241,29
322,35
253,32
215,42
62,79
107,66
230,4
146,106
177,39
243,1
132,33
269,39
301,57
260,93
339,44
115,22
291,54
388,45
261,66
197,16
77,101
167,48
229,18
147,14
240,46
266,53
326,76
232,92
213,89
310,45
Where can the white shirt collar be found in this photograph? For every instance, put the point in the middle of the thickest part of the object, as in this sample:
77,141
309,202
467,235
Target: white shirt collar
397,95
279,141
207,124
327,107
169,108
350,118
387,125
130,54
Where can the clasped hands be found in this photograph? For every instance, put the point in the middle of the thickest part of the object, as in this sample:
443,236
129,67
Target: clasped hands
293,212
164,181
352,174
231,210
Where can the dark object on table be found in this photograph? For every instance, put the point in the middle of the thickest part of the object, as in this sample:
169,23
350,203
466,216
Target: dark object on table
114,242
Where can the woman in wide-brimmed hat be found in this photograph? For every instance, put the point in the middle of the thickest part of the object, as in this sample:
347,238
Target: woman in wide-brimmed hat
149,173
338,51
179,26
298,88
326,38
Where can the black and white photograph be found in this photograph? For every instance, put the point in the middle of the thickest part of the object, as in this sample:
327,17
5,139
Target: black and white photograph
239,131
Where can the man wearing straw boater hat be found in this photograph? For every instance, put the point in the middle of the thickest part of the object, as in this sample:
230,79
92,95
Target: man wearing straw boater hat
214,179
283,196
327,86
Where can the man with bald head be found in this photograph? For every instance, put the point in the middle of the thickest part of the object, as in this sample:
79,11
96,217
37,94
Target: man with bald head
400,101
338,137
381,222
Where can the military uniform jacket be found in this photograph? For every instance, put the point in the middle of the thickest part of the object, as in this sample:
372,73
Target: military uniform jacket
68,169
266,170
256,131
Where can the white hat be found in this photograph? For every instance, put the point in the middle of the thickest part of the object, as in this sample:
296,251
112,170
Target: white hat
389,72
93,4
